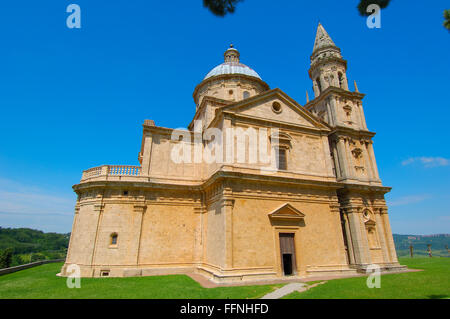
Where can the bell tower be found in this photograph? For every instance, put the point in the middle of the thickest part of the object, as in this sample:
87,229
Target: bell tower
335,104
363,209
328,68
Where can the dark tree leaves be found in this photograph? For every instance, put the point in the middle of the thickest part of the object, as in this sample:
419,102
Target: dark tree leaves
6,258
447,19
221,7
363,4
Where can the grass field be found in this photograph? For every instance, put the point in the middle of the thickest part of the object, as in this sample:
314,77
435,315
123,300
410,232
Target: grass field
41,282
432,283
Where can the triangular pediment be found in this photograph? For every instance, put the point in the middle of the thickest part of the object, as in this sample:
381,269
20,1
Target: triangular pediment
275,106
286,212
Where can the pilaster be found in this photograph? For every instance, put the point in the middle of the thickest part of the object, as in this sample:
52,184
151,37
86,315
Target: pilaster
227,205
147,154
359,239
382,237
389,237
372,158
140,210
99,208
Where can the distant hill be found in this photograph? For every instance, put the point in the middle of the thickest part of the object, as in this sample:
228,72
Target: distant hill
31,245
438,244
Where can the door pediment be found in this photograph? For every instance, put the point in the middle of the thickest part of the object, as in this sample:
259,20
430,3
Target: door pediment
287,213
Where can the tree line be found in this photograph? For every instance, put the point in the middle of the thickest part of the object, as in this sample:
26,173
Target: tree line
24,245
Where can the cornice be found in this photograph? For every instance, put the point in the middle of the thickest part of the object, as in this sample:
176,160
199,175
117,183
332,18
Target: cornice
324,61
203,105
228,76
365,189
339,131
164,131
333,90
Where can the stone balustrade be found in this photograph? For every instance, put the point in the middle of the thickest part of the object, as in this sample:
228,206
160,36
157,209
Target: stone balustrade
110,171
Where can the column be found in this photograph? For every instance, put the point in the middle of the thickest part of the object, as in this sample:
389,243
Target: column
344,76
359,240
349,239
382,236
227,211
331,119
97,208
389,237
140,210
367,162
349,158
374,162
337,164
147,153
74,225
316,89
363,118
342,157
333,106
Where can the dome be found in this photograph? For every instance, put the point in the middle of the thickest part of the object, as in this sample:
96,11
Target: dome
230,81
232,66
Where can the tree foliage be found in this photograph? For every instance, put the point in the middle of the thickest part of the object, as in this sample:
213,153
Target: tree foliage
6,258
363,4
221,7
447,19
31,245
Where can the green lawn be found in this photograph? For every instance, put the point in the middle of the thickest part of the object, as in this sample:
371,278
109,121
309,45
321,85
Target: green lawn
433,282
41,282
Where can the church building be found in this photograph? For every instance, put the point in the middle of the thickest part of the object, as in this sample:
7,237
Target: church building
318,210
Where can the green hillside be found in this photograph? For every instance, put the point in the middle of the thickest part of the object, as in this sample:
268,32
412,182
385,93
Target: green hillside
439,244
29,245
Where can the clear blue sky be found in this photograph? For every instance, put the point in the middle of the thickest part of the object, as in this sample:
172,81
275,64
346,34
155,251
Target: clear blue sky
74,99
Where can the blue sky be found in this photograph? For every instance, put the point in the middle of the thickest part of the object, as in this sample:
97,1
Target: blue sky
74,99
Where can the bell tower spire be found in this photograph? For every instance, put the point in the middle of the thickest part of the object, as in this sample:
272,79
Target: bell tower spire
328,68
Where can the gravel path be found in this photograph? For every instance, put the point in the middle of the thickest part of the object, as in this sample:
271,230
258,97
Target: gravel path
283,291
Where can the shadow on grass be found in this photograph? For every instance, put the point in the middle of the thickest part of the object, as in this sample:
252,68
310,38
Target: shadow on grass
437,296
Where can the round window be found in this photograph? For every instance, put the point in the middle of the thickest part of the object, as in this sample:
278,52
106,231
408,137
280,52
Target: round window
366,215
276,107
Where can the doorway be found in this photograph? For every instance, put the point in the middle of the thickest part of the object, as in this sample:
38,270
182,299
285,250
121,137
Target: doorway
287,250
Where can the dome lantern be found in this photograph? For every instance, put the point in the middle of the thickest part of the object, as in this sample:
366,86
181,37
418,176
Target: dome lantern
231,55
231,80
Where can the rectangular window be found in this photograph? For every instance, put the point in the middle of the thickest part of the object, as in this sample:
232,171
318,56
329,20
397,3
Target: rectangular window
282,162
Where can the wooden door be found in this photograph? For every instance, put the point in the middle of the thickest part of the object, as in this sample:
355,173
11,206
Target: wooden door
287,250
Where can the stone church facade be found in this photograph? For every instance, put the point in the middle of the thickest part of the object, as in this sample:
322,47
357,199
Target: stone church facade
321,211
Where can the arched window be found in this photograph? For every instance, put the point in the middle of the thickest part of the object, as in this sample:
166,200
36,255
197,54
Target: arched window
341,80
246,94
114,238
318,85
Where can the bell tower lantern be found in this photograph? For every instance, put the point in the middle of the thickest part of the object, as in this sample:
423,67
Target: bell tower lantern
328,68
